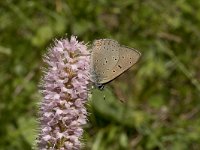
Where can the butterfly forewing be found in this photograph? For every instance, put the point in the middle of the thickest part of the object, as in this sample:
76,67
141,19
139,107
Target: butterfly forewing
127,58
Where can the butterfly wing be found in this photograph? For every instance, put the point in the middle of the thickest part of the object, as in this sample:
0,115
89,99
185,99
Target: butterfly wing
127,58
104,56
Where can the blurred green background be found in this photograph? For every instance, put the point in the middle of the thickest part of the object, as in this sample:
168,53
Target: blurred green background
153,106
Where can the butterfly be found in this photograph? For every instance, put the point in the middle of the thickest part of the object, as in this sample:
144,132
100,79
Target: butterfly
109,59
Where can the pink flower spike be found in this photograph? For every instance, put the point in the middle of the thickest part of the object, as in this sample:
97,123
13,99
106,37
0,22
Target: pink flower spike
65,92
47,137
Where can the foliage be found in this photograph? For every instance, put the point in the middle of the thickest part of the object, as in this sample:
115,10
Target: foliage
161,93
